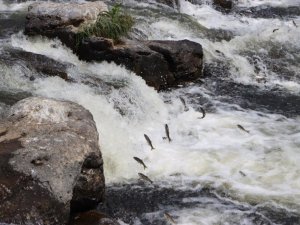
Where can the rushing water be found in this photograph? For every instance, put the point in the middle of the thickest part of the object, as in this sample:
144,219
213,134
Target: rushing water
212,172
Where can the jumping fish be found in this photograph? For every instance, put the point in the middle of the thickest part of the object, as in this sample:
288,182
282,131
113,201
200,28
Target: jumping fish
148,141
295,24
242,173
242,128
184,104
167,132
275,30
203,113
140,162
169,218
145,178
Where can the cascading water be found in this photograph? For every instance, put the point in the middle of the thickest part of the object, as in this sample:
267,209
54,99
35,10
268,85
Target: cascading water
211,172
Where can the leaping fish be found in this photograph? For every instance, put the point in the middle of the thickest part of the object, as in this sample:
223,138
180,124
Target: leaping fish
148,141
167,132
140,162
184,104
169,218
242,128
295,23
145,178
203,113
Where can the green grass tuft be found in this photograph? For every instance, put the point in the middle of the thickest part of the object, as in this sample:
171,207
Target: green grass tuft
111,24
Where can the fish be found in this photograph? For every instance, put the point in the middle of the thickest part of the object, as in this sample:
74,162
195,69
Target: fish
149,141
295,23
242,128
140,162
275,30
203,113
184,104
169,218
167,132
145,178
242,173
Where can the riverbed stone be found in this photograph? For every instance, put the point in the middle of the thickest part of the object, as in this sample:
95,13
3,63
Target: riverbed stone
50,162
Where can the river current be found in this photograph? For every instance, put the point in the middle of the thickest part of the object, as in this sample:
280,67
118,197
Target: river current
212,172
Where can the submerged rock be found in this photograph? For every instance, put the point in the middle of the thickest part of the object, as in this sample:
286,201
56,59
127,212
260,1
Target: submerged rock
40,64
50,161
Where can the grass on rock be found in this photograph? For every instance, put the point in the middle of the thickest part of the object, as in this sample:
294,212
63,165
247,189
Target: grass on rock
112,24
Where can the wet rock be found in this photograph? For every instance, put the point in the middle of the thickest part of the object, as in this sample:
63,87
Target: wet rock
60,19
184,58
225,4
171,3
10,97
160,63
93,218
134,56
50,161
40,64
11,23
266,11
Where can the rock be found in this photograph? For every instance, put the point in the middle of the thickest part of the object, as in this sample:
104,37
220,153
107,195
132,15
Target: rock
134,56
12,97
37,64
184,58
171,3
50,162
61,19
225,4
160,63
92,218
267,11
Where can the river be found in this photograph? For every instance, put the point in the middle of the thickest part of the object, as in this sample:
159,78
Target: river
212,172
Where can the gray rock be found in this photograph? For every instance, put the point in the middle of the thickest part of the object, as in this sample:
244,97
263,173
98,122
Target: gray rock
61,19
50,162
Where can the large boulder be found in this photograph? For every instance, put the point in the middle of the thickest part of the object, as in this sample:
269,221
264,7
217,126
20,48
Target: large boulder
50,162
160,63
